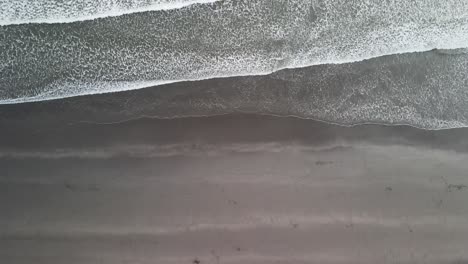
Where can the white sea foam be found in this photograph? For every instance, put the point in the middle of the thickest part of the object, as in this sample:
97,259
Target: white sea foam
67,11
229,38
61,90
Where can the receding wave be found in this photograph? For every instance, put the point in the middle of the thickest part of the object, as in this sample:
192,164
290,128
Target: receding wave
426,90
223,39
67,11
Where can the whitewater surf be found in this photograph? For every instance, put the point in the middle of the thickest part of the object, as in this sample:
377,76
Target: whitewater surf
220,39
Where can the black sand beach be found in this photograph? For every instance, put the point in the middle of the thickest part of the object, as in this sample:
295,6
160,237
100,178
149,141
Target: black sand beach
232,189
233,132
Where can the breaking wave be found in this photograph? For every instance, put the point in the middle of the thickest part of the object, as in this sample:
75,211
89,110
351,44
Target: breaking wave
59,11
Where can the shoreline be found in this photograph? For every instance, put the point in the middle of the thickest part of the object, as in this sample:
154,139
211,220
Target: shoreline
225,129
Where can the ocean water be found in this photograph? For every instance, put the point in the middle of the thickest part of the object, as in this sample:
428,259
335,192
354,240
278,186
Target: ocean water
339,50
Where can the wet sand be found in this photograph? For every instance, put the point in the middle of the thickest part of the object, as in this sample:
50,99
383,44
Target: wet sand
232,189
